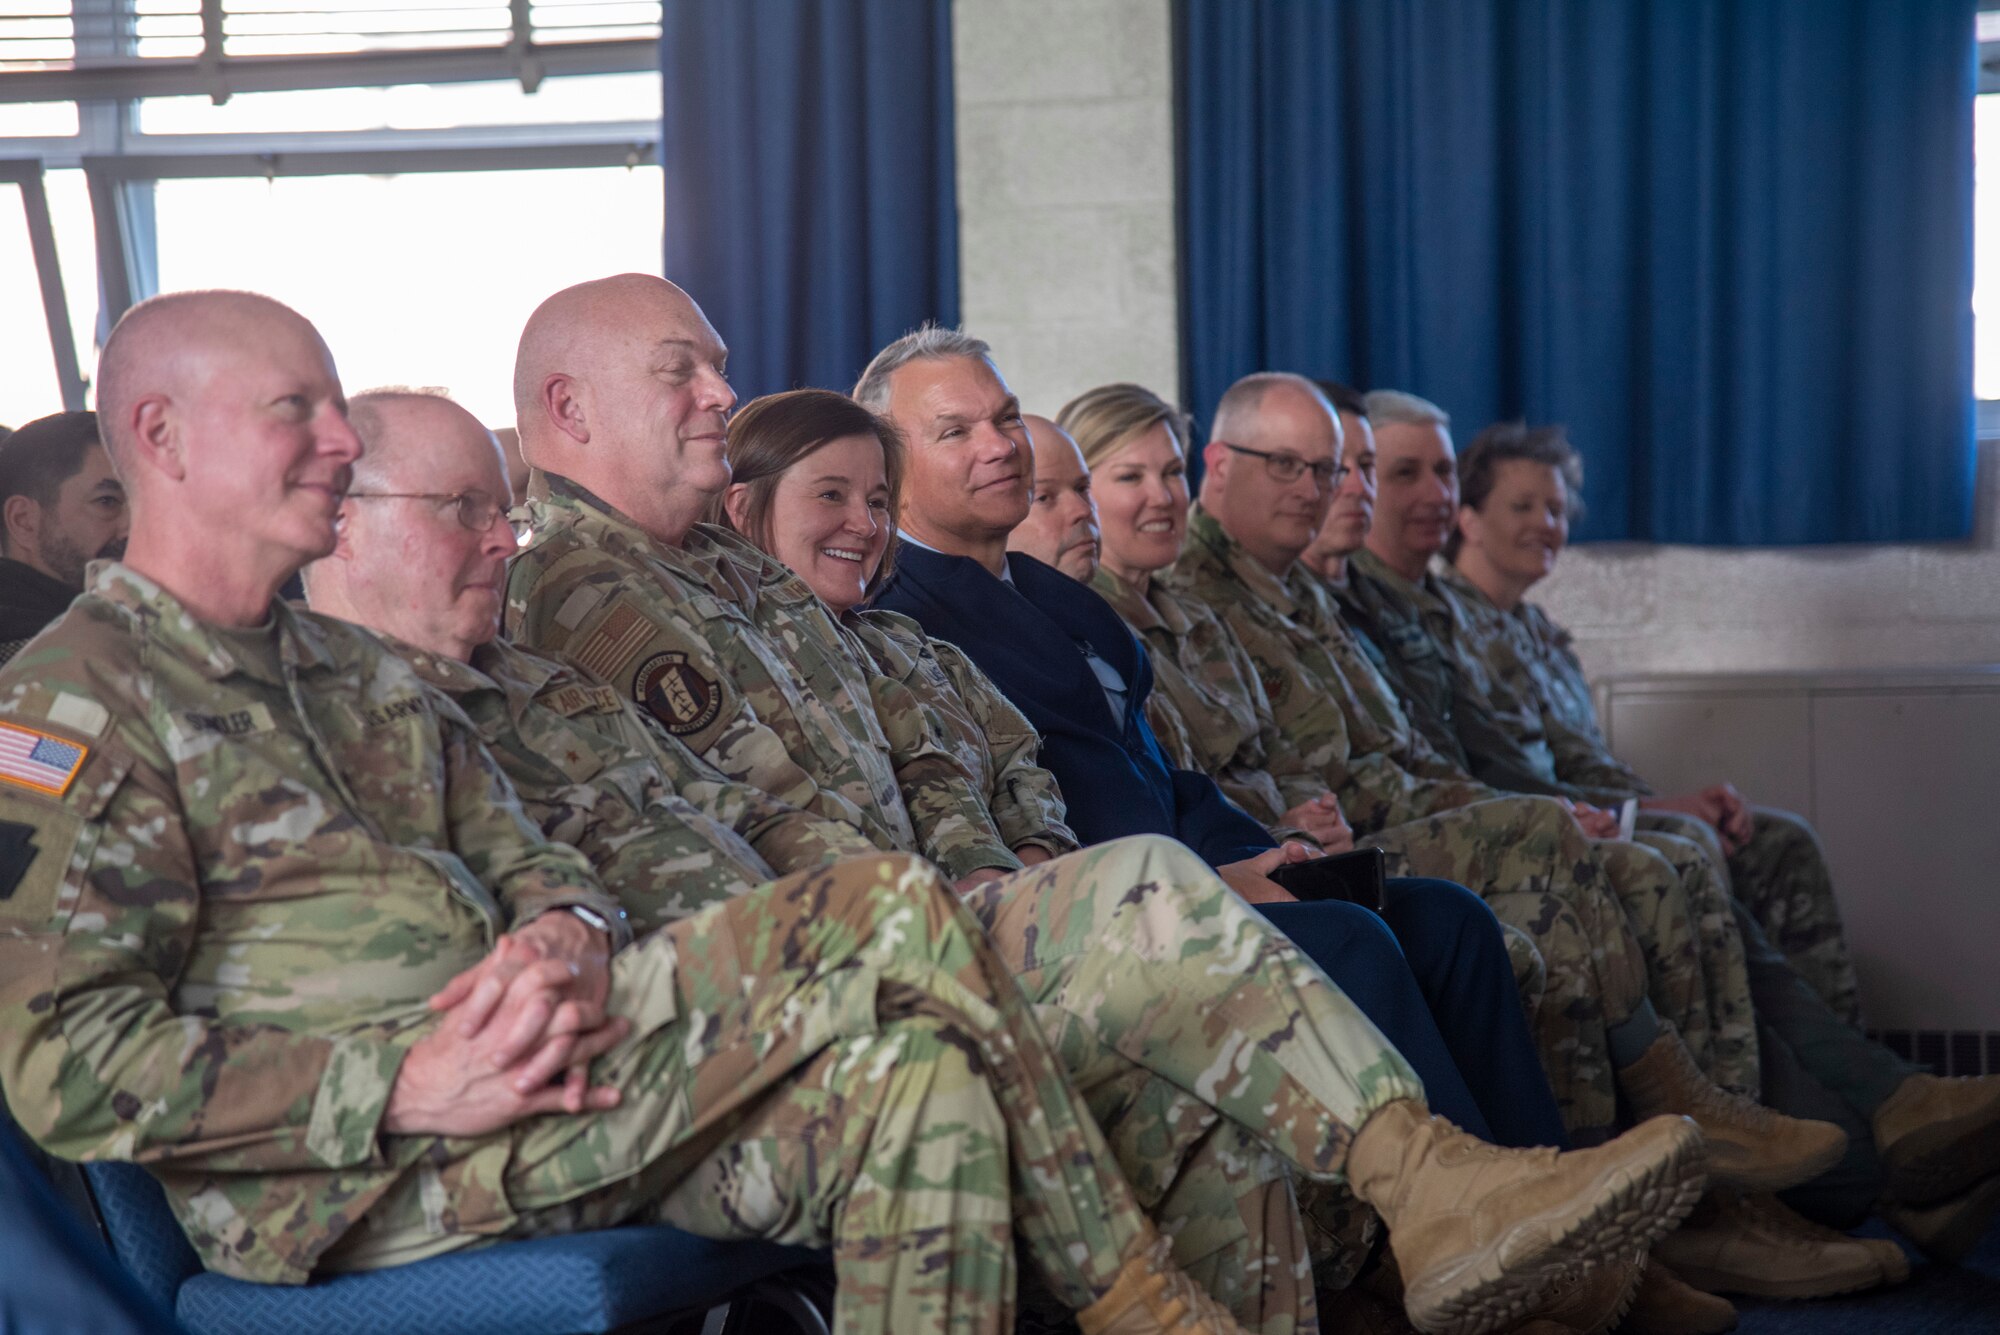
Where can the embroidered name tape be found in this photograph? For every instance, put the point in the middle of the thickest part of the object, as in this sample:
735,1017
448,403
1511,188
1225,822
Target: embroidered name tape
39,760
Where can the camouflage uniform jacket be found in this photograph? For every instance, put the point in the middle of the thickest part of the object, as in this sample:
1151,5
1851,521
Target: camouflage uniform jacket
589,772
1311,699
244,864
1531,656
968,714
1386,722
1209,692
730,652
1504,734
1500,736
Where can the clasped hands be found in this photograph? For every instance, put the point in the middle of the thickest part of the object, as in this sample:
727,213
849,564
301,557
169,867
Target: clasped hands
1719,804
516,1036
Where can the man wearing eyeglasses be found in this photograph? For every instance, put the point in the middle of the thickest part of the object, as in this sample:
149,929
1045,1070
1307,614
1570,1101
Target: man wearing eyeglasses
1277,462
424,541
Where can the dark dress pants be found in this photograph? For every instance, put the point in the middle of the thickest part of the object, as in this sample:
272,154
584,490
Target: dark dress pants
1432,972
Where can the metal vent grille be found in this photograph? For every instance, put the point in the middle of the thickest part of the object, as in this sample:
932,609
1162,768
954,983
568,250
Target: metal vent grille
1945,1051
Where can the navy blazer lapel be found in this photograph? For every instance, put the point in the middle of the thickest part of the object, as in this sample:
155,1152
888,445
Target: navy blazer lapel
1019,635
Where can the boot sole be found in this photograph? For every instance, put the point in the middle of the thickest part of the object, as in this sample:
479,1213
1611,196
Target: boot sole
1934,1164
1770,1179
1636,1204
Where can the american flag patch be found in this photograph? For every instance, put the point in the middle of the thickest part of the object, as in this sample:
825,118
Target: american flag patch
622,634
38,760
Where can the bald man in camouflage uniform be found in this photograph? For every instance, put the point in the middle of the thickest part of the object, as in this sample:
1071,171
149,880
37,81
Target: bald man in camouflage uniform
725,648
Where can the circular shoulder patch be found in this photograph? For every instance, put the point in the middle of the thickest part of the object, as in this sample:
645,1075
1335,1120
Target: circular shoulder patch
676,693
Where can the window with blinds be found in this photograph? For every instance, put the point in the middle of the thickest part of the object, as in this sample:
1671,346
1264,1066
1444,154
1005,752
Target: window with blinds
134,48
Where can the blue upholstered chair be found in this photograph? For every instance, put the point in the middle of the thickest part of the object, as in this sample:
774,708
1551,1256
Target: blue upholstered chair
576,1285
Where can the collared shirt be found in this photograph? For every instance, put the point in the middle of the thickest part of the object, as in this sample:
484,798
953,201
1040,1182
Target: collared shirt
1116,692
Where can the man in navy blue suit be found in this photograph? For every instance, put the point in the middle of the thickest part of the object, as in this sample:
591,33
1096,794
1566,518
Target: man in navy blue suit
1068,662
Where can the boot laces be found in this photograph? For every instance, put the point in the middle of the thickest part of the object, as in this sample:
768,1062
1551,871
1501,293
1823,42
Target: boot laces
1733,1107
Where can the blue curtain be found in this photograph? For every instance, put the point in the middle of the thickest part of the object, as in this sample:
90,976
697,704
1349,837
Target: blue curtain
1728,242
811,207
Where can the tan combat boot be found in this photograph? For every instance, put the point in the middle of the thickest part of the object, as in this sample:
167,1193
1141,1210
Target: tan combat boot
1152,1296
1735,1245
1593,1302
1951,1228
1750,1147
1936,1136
1890,1263
1483,1234
1666,1304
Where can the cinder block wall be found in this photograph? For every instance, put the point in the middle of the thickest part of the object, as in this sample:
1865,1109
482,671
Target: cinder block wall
1066,192
1638,609
1068,267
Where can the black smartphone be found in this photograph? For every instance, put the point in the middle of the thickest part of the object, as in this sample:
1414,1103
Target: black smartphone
1357,877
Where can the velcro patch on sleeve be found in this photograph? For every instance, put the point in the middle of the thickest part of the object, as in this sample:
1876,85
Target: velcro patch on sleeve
679,695
33,856
578,698
617,638
40,761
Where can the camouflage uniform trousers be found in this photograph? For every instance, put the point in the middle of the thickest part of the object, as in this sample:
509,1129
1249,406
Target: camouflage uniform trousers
1221,1063
1526,857
1780,877
1696,923
838,1059
1531,971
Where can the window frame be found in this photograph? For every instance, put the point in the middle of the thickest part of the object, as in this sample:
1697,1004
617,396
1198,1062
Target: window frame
1987,411
26,175
121,163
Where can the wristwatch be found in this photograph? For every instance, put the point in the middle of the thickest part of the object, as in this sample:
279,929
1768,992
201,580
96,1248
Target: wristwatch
590,917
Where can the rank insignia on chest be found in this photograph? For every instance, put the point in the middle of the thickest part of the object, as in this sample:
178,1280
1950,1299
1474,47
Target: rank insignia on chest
676,693
39,760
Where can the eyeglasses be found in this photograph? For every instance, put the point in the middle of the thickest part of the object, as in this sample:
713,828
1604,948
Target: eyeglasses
476,510
1290,468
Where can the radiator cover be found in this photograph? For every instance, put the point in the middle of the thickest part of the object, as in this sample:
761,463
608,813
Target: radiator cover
1897,772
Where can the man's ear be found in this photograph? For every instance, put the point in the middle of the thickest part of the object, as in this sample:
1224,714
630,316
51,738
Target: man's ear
21,525
736,504
156,436
343,544
562,405
1215,460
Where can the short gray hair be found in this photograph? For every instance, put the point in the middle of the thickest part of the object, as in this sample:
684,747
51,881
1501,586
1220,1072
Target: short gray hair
1239,403
931,342
364,414
1387,406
